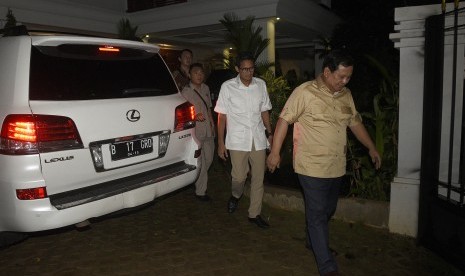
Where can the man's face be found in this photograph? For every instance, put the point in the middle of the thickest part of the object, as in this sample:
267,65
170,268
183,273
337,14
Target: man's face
339,78
245,71
197,76
185,58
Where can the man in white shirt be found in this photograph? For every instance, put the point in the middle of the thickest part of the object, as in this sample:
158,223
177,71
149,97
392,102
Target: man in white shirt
242,108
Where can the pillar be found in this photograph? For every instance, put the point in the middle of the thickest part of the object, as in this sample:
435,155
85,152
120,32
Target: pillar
268,31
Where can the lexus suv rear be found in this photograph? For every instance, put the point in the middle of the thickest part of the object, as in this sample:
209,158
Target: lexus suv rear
89,126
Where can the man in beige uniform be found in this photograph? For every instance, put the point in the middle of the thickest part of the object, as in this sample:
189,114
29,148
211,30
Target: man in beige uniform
321,111
198,94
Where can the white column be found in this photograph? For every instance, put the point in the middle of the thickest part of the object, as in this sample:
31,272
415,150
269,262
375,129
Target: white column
268,31
318,61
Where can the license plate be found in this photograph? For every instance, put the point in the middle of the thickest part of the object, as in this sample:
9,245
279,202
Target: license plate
131,148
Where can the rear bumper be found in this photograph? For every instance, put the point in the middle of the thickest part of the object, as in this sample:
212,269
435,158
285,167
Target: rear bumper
75,206
96,192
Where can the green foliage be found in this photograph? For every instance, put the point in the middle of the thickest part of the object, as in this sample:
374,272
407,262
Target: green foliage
127,31
382,124
243,35
279,91
10,19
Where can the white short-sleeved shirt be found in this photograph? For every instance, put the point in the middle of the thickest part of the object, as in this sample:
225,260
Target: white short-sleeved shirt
243,107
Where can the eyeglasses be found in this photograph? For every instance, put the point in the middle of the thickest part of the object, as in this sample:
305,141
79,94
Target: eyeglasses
247,69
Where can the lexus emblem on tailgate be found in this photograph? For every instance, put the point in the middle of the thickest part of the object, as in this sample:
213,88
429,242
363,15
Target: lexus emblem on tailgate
133,115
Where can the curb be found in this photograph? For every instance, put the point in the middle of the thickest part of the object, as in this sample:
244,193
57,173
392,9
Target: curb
368,212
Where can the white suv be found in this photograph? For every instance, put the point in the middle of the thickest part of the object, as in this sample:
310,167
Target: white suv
89,126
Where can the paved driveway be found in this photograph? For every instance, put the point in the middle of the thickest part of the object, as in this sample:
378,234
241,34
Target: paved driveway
178,235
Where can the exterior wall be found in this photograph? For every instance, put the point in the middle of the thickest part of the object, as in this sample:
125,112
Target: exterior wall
201,13
409,39
302,60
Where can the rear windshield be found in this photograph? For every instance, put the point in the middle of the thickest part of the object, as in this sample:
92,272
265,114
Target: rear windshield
87,72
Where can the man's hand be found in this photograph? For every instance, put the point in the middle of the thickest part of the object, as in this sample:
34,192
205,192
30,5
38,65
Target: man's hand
362,135
375,158
270,140
272,162
222,152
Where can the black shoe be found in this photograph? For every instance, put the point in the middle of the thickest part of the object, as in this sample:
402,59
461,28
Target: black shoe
232,204
203,197
259,222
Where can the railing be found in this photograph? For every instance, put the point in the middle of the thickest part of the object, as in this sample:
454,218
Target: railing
140,5
441,218
451,184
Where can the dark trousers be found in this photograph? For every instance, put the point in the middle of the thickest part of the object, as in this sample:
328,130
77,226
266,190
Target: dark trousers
321,195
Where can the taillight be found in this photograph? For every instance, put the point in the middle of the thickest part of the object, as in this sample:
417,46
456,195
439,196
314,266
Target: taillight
31,194
30,134
185,117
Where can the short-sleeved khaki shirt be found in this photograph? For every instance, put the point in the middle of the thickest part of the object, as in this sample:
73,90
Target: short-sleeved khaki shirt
320,122
202,103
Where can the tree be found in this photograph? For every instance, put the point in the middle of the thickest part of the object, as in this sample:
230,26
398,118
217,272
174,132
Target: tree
127,31
10,19
245,37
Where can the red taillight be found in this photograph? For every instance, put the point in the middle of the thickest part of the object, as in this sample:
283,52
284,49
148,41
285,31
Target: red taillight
29,134
185,117
22,130
30,194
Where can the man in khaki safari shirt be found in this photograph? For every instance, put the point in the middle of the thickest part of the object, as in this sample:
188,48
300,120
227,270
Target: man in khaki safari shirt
321,110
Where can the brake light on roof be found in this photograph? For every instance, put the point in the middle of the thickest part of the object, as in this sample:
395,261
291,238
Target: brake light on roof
184,117
108,49
31,194
31,134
